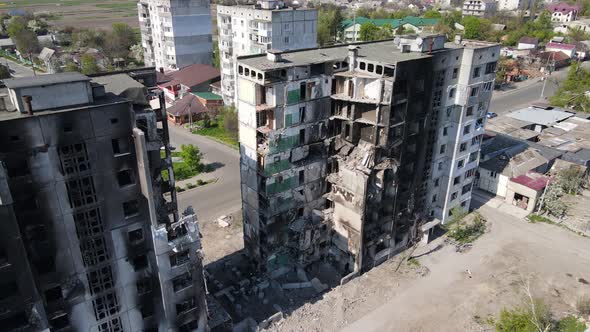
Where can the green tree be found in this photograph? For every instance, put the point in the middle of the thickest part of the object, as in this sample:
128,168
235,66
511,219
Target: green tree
25,39
576,34
432,13
16,25
368,31
120,40
533,318
572,180
136,52
216,58
476,28
4,72
552,203
572,91
71,66
385,32
191,156
329,23
230,122
570,324
89,38
89,65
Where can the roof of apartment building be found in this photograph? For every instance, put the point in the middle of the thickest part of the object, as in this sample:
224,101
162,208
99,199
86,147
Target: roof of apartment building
497,143
26,82
540,116
385,51
413,20
562,7
189,103
190,75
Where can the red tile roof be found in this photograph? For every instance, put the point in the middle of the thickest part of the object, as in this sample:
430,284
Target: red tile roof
559,46
188,102
562,7
194,74
532,180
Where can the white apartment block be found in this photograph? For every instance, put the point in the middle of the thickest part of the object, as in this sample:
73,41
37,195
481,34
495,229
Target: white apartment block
479,8
246,30
512,5
175,33
464,81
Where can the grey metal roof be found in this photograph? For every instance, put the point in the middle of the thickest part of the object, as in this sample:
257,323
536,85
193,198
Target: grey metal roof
40,80
540,116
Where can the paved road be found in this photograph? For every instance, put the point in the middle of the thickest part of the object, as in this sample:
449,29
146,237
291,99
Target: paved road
17,70
527,92
216,199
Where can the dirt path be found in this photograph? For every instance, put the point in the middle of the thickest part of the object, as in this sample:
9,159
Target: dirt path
446,298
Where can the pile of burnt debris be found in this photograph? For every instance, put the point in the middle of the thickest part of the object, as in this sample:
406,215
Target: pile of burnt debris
255,300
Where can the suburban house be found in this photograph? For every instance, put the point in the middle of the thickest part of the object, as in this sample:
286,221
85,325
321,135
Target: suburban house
212,101
528,43
187,109
479,8
567,49
581,24
563,12
193,78
352,28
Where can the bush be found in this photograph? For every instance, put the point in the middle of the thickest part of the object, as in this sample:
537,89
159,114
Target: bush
201,182
182,171
570,324
466,233
179,189
537,218
190,186
521,319
191,156
583,305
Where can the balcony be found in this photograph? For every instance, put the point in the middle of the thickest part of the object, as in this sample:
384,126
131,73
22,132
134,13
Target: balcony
227,47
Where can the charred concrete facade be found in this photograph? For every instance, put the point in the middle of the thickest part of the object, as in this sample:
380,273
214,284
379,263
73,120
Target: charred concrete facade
336,149
92,238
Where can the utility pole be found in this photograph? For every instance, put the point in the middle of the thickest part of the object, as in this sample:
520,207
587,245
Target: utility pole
546,75
32,64
354,25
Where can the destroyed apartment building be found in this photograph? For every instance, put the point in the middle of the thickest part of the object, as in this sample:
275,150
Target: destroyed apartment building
92,239
350,153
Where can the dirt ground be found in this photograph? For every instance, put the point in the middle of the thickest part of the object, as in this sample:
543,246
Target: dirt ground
80,13
578,215
219,242
450,291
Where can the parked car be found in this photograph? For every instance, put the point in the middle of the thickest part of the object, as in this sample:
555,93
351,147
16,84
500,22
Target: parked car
491,115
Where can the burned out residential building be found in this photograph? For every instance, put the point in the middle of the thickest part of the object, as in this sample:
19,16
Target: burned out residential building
92,239
338,146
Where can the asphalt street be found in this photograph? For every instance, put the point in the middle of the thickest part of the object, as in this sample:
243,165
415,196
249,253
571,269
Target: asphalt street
215,199
17,70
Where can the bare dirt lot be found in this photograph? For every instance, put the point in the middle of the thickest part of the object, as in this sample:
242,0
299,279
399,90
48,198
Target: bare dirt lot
439,294
80,13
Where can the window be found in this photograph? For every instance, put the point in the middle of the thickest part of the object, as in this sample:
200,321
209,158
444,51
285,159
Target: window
105,306
466,129
81,192
452,93
490,67
488,86
140,262
135,236
472,157
474,92
455,72
302,114
469,111
120,146
144,285
301,136
436,182
52,294
59,322
457,180
445,131
440,165
301,177
125,177
463,204
443,148
449,111
462,147
476,72
493,174
114,120
466,188
362,65
475,140
100,280
67,128
182,281
461,163
14,138
370,67
179,258
286,39
433,198
469,173
186,305
454,196
131,208
93,251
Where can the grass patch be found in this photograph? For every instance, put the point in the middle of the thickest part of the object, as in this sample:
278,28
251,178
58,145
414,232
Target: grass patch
117,6
413,262
217,132
533,218
468,231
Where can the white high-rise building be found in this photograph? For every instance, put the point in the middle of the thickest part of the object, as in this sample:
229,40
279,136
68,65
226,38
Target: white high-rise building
245,30
175,33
